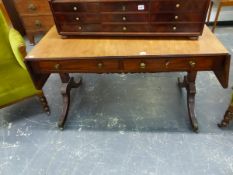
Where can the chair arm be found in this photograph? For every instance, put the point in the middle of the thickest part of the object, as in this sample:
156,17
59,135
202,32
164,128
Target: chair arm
18,46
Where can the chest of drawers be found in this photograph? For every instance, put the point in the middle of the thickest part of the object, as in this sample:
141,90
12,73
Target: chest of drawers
35,15
130,17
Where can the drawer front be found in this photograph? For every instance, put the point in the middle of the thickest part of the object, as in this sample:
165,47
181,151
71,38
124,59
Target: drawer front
176,27
76,7
38,23
167,64
125,28
176,17
78,18
178,5
32,6
79,66
135,6
80,28
125,17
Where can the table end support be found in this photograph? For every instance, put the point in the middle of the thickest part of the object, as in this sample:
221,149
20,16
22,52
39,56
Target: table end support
189,84
67,84
228,116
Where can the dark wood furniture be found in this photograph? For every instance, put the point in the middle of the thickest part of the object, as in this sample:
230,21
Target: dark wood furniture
128,55
228,116
35,16
130,17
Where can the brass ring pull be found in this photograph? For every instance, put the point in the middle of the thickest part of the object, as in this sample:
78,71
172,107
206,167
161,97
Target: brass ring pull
100,65
57,66
38,23
142,65
192,64
77,18
176,17
79,28
31,7
177,5
124,18
174,28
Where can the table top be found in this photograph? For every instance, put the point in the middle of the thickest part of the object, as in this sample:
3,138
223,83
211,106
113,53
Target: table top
52,46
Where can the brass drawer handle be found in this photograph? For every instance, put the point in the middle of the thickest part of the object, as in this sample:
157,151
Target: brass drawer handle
142,65
124,18
177,5
174,28
123,7
57,66
176,17
124,28
79,28
75,8
167,64
32,7
100,65
192,64
77,18
38,23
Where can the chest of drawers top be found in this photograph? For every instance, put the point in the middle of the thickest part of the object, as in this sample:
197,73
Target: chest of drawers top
130,17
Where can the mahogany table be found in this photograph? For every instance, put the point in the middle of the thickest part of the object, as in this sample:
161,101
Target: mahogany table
127,55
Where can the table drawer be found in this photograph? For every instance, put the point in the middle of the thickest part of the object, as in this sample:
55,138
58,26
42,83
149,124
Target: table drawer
78,66
179,5
135,6
176,27
88,7
32,6
80,27
78,18
38,23
176,17
167,64
125,28
138,17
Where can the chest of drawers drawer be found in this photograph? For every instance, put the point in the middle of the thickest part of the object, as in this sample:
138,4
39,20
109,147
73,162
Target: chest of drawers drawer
32,6
176,17
38,23
78,18
125,6
178,6
124,18
175,27
105,28
125,27
88,7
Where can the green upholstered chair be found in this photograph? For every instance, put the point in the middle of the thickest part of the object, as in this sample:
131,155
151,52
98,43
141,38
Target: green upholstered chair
15,81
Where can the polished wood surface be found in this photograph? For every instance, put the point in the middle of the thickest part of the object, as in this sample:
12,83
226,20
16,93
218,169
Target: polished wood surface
53,47
130,17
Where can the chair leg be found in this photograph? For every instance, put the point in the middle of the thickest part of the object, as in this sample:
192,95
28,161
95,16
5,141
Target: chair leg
44,103
216,17
209,12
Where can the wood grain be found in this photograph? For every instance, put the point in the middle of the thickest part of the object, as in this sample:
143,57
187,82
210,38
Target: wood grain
53,47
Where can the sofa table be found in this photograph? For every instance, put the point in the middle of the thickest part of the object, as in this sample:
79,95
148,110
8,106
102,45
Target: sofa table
127,55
